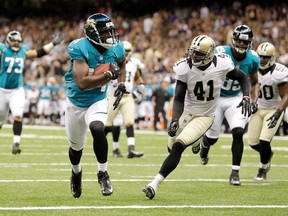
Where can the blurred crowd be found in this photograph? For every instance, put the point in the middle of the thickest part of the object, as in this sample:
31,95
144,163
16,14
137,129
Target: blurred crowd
159,38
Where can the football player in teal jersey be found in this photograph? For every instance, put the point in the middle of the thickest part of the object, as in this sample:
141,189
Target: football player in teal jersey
248,61
12,95
87,102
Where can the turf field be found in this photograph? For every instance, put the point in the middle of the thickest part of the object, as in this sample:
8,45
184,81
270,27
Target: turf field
36,182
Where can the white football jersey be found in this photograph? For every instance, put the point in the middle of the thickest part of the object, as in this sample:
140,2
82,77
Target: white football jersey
203,87
269,93
131,67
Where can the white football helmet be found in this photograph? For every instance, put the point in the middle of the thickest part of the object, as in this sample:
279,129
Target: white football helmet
128,48
266,52
14,36
201,50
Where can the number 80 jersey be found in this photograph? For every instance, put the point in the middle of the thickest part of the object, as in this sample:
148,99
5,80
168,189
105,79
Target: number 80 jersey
203,86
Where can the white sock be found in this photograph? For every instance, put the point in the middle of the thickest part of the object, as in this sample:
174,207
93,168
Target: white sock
235,167
76,168
131,141
115,145
103,166
157,181
16,138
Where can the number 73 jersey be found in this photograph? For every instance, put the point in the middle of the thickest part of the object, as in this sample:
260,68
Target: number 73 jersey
203,87
12,66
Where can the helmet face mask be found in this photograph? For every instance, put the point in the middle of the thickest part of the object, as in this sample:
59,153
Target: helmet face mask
14,40
266,52
100,30
242,38
201,50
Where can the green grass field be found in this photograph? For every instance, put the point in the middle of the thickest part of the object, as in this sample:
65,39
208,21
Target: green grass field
36,182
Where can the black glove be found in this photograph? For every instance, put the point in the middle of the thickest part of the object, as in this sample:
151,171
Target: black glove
173,127
113,71
245,104
254,108
57,38
274,118
119,92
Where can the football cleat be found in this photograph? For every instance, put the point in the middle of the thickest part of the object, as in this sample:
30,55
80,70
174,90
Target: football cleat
132,153
234,178
149,191
76,184
16,148
117,153
105,183
262,174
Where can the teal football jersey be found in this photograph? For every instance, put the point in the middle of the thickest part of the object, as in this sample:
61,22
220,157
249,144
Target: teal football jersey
249,65
12,65
82,50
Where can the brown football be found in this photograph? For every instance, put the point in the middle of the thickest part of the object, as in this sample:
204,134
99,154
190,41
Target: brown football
101,69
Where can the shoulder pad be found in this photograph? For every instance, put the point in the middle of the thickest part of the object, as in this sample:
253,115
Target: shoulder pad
181,67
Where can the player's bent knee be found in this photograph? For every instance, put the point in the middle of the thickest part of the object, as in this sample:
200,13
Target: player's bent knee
237,132
178,147
96,126
209,141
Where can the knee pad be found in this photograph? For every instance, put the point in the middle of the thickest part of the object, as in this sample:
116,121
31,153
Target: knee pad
178,147
96,127
237,133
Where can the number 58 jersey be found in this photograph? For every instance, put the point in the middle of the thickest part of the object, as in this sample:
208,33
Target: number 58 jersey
203,86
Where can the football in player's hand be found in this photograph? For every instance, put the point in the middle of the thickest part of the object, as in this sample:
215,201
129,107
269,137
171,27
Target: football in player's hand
101,69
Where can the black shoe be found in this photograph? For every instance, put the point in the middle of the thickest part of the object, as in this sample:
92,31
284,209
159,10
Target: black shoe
117,153
204,155
262,174
105,183
76,184
16,148
234,178
149,191
132,153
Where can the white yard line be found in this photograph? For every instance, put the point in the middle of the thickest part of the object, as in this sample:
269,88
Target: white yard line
35,208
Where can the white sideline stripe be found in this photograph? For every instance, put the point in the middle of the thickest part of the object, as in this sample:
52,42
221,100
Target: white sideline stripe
259,183
144,207
39,127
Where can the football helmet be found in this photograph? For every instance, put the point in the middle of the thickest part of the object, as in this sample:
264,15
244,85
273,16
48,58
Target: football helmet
128,48
266,52
100,30
242,38
11,38
201,50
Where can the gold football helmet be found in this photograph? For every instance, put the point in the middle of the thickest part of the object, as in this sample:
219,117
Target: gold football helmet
266,52
201,50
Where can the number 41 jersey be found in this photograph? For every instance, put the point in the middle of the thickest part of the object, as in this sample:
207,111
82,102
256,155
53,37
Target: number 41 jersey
203,87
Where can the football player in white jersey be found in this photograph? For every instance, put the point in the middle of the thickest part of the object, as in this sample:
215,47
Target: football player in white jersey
12,95
272,102
199,79
248,61
127,108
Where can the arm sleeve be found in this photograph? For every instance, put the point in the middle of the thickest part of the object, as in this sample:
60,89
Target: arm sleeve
243,80
178,104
